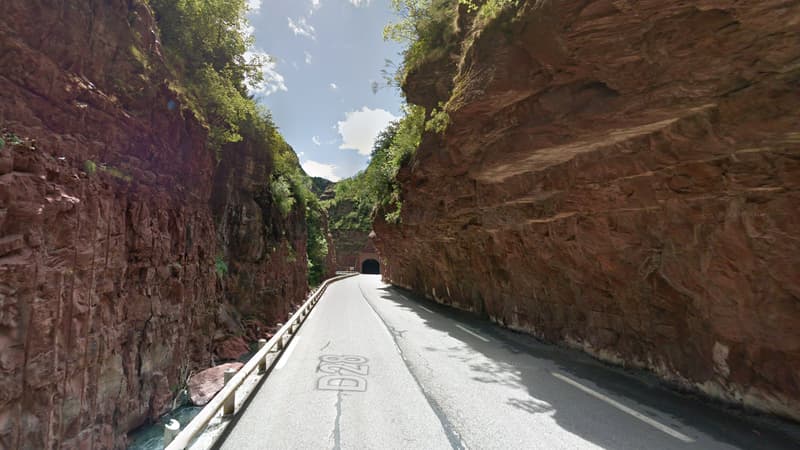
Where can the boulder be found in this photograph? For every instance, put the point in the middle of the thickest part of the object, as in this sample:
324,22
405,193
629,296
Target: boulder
203,386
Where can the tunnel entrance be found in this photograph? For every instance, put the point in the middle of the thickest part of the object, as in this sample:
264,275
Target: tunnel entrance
371,266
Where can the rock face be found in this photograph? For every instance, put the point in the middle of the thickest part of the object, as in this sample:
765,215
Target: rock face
348,239
109,295
349,244
255,236
622,177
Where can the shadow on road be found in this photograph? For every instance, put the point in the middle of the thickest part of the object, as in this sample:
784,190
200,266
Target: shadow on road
539,389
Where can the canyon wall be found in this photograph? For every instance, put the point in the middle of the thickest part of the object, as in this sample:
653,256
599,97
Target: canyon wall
349,239
348,244
622,177
263,251
113,219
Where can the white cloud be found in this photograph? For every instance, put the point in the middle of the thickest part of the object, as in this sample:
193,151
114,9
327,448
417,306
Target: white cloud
302,28
315,140
254,6
318,169
360,3
360,128
315,5
273,81
308,57
333,86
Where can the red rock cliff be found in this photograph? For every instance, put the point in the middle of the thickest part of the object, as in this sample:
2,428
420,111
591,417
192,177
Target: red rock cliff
108,289
623,177
264,251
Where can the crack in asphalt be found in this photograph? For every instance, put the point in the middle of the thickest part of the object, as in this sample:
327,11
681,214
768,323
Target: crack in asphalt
337,431
397,333
453,437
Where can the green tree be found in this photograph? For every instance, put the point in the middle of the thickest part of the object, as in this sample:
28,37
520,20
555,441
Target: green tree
206,42
428,29
210,52
376,188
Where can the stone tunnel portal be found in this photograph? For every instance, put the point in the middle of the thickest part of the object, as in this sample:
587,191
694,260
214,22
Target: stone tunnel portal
371,266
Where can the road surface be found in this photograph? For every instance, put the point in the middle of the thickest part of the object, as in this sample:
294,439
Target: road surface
373,368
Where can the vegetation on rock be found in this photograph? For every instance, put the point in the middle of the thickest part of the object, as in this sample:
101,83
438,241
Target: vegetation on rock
207,45
209,49
376,189
429,28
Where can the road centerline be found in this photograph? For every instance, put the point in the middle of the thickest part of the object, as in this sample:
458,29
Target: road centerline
449,429
472,333
630,411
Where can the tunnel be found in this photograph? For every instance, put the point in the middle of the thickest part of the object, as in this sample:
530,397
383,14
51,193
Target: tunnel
371,266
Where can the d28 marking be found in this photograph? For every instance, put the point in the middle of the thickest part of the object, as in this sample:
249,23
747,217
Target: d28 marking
343,373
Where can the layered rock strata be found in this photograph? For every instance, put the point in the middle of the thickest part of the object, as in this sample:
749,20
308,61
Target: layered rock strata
622,177
110,294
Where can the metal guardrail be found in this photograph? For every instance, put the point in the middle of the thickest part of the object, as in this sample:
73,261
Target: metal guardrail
226,397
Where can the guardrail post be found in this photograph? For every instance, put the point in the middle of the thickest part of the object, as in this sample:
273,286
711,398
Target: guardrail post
230,402
171,430
279,344
262,365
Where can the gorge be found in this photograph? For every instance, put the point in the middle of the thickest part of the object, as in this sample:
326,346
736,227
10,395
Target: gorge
620,177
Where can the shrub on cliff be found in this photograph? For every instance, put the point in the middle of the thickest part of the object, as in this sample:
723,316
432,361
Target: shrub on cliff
209,49
282,194
317,244
206,43
426,26
375,188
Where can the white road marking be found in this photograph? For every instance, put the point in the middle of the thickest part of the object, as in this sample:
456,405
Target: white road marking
658,425
473,333
408,300
285,357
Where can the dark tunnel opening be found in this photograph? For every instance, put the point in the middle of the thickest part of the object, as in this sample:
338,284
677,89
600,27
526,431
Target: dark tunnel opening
371,267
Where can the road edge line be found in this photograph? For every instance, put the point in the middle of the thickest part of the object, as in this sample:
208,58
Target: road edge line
462,328
630,411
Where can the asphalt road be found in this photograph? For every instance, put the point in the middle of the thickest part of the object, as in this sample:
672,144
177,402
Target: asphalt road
373,368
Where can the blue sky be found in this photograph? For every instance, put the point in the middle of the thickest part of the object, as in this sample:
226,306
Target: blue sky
325,55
